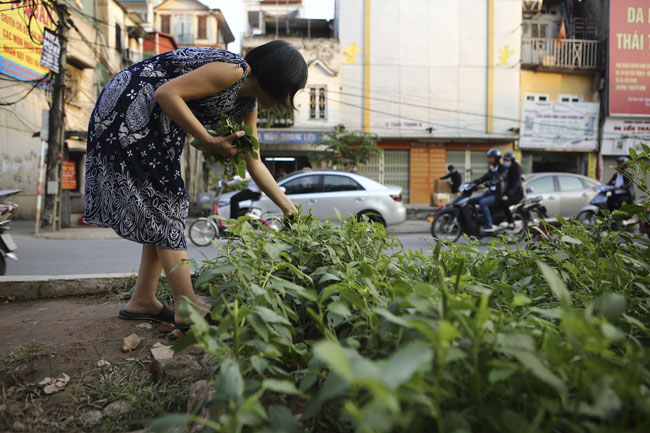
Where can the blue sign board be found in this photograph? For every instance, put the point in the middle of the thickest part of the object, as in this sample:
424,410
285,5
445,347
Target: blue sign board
289,137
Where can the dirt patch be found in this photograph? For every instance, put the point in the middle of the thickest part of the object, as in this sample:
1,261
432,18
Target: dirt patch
50,338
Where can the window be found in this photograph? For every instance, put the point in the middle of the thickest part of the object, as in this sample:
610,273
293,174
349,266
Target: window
203,27
569,183
570,98
536,97
303,185
118,37
340,183
165,24
542,185
590,183
317,103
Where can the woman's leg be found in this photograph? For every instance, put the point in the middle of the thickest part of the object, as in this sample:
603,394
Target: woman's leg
179,279
144,299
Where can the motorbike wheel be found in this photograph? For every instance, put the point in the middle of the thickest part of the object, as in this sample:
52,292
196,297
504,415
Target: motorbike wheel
587,217
446,226
3,265
202,232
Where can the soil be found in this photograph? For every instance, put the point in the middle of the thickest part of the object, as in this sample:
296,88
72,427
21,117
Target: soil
77,333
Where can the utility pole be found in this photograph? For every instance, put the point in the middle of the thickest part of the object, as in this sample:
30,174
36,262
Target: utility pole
57,123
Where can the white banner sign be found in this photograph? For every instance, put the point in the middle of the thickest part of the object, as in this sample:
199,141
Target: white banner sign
619,135
559,125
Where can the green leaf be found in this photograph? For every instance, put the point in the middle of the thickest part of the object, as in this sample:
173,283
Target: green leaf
231,383
170,424
259,326
538,369
499,374
402,364
612,305
328,277
339,308
556,284
611,332
280,386
520,299
571,240
184,342
259,364
271,316
334,356
282,420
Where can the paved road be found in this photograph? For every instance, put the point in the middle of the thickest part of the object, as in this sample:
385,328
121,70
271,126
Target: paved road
55,257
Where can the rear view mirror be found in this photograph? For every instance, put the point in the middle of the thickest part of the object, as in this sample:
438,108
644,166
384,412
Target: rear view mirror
529,190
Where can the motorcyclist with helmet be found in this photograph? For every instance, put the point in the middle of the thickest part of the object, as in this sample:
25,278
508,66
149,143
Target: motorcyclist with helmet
492,181
513,190
622,186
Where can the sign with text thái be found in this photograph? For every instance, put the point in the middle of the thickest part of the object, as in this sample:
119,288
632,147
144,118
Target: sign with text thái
629,57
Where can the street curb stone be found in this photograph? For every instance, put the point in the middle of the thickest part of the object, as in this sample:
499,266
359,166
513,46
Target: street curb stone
24,288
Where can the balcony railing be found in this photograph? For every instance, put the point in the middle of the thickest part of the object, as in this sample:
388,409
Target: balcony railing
184,38
559,53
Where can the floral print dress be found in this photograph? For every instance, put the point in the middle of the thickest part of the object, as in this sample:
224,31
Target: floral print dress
133,171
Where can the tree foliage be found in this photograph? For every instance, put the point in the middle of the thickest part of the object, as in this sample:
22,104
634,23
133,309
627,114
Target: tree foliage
346,149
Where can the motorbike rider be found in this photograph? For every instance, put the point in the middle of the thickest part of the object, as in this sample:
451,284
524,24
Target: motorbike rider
492,181
622,186
513,191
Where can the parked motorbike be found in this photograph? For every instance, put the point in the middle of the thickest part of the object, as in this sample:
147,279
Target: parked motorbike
460,217
206,229
7,244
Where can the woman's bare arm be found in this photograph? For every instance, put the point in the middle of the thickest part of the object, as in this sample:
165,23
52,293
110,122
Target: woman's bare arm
205,81
261,174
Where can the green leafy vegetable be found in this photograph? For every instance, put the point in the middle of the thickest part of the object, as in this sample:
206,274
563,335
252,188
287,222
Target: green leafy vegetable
235,165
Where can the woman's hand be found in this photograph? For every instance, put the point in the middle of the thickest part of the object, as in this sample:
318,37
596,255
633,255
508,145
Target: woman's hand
223,145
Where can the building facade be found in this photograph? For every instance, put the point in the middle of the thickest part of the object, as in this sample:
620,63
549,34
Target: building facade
560,78
100,34
444,92
287,137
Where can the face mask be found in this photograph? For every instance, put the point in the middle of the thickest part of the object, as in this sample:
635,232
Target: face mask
506,163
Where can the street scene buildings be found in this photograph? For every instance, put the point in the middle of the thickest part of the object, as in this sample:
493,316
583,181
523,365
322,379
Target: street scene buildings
562,83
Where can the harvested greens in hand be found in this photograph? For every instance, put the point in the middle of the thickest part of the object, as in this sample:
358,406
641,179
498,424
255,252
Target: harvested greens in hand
236,164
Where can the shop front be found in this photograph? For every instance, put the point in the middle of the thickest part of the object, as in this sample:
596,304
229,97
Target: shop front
559,137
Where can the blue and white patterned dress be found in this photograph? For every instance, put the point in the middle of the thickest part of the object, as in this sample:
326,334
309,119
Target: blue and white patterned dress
133,170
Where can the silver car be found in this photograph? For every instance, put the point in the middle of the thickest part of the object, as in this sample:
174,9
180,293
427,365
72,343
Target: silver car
562,193
352,194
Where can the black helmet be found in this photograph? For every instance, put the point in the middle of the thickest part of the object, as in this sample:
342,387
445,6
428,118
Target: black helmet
509,156
622,159
495,153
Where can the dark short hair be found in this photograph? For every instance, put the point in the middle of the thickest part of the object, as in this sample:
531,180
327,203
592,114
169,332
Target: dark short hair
280,69
450,167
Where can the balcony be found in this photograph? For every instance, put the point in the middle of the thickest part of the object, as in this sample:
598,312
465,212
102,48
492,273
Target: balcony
574,54
184,38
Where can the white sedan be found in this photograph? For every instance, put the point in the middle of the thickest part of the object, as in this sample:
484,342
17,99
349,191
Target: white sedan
323,191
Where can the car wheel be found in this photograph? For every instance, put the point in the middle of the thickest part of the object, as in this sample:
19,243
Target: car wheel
372,216
202,232
446,226
587,218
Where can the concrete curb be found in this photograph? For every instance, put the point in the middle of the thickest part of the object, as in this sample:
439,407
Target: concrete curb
24,288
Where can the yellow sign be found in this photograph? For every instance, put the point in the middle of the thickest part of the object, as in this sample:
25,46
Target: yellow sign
505,54
350,52
592,162
21,39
